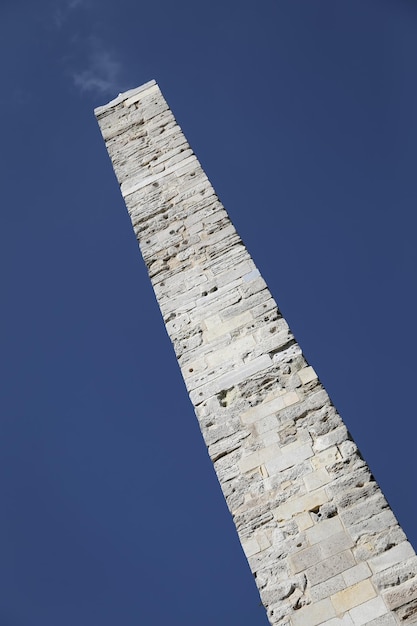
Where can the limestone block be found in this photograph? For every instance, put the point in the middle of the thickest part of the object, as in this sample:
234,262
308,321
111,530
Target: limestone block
274,343
307,502
258,304
324,529
336,543
285,460
263,410
356,496
250,288
330,567
395,555
230,379
251,461
215,327
401,594
234,352
266,424
250,547
375,524
230,274
142,180
364,510
316,479
307,375
396,574
350,481
370,610
208,305
327,588
313,614
227,467
407,614
227,445
304,521
331,439
215,432
356,574
269,438
353,596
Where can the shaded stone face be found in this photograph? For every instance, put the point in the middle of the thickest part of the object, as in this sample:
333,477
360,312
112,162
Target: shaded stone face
320,539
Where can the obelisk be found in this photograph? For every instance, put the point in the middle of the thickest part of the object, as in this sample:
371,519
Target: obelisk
322,543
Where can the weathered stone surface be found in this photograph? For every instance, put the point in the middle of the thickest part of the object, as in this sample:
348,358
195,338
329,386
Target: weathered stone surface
321,541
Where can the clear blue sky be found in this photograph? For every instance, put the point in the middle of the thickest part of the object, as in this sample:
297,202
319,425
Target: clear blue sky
303,115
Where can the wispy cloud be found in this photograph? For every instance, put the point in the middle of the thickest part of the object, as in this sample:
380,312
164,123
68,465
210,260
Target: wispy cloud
90,64
64,10
102,73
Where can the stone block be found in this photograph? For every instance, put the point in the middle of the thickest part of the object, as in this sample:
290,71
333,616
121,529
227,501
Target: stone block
336,543
304,559
401,594
327,458
269,438
250,547
290,398
228,380
327,588
395,555
368,611
133,185
377,523
232,353
306,375
260,411
363,510
316,479
330,567
304,521
332,438
227,444
286,460
313,614
353,596
266,424
216,328
323,530
259,457
396,574
250,462
304,503
356,574
407,613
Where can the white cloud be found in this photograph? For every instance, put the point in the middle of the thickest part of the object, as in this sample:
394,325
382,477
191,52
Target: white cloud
102,73
63,10
91,66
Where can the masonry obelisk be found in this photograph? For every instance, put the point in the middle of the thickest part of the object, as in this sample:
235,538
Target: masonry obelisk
322,543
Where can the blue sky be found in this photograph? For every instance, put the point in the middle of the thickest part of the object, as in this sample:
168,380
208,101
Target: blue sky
303,115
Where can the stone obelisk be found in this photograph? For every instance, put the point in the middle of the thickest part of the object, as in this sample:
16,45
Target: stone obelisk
322,543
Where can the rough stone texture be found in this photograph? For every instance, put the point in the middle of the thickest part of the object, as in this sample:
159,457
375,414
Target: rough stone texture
320,539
